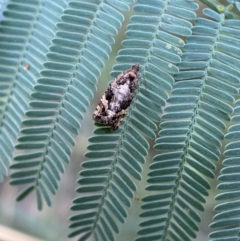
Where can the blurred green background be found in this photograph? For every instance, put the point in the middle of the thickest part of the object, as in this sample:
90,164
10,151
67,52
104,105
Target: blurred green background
51,224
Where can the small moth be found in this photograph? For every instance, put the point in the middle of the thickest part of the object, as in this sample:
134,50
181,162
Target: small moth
116,100
137,198
26,67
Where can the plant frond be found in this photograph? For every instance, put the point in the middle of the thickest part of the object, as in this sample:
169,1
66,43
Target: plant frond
227,219
192,127
116,158
22,50
106,180
61,95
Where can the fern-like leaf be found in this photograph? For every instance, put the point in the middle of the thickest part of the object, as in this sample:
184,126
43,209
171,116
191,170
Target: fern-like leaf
22,51
106,183
191,130
61,95
228,218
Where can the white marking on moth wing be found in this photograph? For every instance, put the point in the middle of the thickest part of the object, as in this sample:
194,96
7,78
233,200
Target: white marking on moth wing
121,94
104,101
110,113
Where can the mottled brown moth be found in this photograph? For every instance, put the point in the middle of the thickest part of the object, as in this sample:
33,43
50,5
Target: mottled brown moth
116,100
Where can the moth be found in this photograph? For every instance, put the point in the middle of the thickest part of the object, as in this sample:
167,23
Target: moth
116,100
26,67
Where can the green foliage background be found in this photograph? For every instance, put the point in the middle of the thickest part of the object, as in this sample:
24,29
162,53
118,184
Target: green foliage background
51,223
